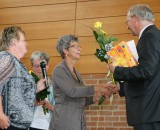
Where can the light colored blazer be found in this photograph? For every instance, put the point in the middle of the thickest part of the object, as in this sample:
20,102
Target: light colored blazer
71,96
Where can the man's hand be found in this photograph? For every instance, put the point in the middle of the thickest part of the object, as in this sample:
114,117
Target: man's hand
111,67
111,89
106,89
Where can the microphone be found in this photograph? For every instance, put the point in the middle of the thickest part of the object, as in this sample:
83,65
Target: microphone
44,73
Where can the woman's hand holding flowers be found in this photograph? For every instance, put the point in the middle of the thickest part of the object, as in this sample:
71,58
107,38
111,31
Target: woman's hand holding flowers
103,91
41,85
97,96
45,103
48,106
39,103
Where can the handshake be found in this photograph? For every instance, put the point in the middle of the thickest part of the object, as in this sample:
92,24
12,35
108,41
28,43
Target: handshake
104,91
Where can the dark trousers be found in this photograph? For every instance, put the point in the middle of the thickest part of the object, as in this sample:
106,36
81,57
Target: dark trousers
148,126
13,128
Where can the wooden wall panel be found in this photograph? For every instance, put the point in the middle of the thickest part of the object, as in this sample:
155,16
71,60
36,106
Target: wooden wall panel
90,63
46,30
17,3
108,8
88,45
37,13
125,37
46,45
44,21
111,25
53,62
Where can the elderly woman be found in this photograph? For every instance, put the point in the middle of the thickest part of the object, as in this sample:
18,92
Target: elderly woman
17,86
40,120
71,95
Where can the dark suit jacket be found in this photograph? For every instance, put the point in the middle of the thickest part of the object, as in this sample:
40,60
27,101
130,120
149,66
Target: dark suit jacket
71,96
142,82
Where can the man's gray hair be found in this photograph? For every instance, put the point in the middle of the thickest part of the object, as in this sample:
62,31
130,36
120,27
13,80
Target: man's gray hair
64,43
38,55
143,11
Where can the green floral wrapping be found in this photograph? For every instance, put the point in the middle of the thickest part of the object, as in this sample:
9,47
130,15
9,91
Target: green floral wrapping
101,100
105,44
42,94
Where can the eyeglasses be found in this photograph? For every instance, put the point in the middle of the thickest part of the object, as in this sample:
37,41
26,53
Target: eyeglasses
75,46
36,66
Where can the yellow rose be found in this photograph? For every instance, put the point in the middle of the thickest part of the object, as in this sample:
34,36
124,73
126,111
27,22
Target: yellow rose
103,32
98,25
30,71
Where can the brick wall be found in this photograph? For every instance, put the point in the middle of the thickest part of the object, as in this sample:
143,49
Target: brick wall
108,116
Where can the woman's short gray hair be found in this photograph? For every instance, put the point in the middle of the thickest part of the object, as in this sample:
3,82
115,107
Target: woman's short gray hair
64,43
38,55
143,11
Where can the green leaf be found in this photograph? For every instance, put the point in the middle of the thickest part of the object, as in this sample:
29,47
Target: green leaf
104,39
100,53
35,77
95,34
45,110
101,100
111,39
100,38
42,94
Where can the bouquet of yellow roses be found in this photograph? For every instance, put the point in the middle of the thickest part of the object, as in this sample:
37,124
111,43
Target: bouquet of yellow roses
106,43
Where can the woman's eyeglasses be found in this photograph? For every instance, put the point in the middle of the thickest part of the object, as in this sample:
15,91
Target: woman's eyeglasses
75,46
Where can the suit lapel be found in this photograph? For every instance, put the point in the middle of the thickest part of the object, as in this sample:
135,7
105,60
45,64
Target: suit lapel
78,76
143,34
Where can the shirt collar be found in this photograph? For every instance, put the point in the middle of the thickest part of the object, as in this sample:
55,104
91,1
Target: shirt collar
140,34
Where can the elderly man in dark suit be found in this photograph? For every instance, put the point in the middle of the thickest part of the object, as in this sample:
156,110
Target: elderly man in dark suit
141,84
